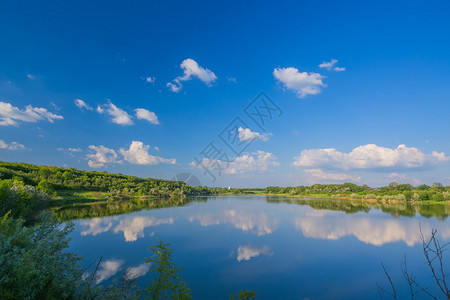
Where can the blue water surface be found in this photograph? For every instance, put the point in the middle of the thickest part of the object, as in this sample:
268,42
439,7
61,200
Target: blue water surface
281,250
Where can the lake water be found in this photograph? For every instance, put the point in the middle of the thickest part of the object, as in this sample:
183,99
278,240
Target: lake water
281,248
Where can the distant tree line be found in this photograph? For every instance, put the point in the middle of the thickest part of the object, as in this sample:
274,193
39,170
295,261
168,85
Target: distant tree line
394,191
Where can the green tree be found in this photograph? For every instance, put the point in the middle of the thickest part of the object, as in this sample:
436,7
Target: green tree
45,187
244,295
167,284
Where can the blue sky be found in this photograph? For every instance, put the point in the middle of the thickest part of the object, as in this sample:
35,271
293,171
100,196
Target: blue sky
362,88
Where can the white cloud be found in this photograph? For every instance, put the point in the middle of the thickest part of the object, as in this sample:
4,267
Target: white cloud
247,135
303,83
107,269
75,150
331,66
119,116
369,156
31,76
150,79
256,162
246,163
248,252
81,104
191,70
138,154
136,272
339,69
9,115
328,65
331,176
232,79
13,146
144,114
101,156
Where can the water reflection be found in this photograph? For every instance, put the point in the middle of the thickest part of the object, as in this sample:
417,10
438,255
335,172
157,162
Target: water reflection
136,272
131,226
248,252
282,248
436,210
96,226
374,230
118,207
107,269
258,223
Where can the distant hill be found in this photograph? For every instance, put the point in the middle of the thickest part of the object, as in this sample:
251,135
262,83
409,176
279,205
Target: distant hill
57,179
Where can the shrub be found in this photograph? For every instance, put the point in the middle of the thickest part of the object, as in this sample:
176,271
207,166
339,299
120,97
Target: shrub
34,265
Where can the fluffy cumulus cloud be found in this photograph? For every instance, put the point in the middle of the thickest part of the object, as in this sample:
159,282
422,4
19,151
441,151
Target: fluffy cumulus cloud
320,174
11,115
255,162
258,161
82,105
101,156
248,252
246,135
118,115
302,83
191,69
331,66
144,114
13,146
138,154
369,156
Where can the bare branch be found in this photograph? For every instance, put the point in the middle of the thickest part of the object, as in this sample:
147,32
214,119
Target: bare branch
394,292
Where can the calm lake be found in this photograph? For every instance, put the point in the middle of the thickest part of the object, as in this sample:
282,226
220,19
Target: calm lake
282,248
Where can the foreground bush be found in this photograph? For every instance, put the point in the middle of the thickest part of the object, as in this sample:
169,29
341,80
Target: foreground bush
33,263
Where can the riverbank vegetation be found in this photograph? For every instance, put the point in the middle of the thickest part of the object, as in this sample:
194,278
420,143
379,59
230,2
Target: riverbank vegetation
393,192
26,189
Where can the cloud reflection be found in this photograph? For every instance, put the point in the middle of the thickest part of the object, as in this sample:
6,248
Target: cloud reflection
135,272
258,223
96,226
248,252
332,225
132,227
107,269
